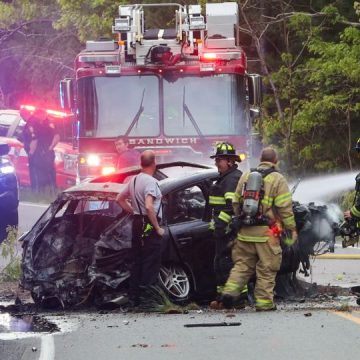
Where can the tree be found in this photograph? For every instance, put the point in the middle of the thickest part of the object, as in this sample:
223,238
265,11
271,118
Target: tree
285,36
33,56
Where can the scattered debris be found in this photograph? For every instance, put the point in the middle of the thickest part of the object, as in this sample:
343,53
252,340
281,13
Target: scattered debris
199,311
230,315
33,349
345,307
168,345
140,345
126,322
213,324
308,314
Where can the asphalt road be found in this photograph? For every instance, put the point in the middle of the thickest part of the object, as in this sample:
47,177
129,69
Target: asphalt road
278,335
295,331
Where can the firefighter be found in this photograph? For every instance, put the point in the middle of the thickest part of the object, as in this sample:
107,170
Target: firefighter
28,136
257,247
220,199
354,212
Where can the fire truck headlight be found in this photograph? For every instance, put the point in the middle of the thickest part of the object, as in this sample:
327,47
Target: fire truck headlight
93,160
107,170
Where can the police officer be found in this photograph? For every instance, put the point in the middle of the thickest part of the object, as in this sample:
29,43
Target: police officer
221,196
257,247
28,136
40,139
354,212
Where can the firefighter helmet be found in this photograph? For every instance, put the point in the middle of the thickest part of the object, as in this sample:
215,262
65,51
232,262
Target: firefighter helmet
357,146
225,150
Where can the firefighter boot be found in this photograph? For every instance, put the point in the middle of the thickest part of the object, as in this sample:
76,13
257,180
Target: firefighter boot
227,301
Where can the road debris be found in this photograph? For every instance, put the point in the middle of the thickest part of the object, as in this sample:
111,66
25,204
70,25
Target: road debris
213,324
308,314
140,345
126,322
33,349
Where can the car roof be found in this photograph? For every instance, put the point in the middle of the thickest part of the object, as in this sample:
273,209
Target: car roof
166,185
170,184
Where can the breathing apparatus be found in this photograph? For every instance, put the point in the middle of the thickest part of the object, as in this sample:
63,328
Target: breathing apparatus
252,194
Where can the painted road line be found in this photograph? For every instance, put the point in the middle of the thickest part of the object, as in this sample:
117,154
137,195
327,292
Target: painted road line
348,316
47,351
338,256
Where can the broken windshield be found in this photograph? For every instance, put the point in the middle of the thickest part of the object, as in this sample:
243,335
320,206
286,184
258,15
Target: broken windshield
205,105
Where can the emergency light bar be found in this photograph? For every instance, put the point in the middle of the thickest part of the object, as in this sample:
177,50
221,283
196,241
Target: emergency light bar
28,107
31,109
101,58
225,56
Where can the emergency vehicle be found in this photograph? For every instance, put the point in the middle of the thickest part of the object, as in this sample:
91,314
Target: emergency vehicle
11,133
177,91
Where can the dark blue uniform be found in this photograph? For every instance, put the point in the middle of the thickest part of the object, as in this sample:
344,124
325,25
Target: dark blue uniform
41,162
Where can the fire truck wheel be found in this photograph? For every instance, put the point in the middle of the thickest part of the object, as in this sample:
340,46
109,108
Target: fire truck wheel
175,281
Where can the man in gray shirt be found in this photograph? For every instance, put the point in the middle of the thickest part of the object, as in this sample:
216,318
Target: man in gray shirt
142,198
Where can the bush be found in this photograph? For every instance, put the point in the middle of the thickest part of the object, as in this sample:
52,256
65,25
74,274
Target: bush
347,200
9,252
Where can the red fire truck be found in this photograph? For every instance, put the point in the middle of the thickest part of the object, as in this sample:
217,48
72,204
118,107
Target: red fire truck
177,91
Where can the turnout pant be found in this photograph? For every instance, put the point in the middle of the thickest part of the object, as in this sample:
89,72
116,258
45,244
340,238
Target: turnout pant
146,257
222,261
264,258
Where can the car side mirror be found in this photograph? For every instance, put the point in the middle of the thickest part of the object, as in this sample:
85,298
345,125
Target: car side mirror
4,149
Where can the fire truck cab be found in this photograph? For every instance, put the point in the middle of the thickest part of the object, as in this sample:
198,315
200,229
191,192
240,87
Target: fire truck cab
176,90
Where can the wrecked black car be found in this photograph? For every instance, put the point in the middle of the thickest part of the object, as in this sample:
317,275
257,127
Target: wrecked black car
78,251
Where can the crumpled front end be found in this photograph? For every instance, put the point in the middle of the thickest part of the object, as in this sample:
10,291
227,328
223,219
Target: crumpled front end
78,252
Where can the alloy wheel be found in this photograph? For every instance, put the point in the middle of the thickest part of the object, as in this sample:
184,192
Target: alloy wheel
175,281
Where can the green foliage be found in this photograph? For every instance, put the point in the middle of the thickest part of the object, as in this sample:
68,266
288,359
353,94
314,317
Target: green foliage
9,252
347,200
319,94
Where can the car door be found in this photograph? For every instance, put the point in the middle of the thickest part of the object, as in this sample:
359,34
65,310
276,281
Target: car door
193,241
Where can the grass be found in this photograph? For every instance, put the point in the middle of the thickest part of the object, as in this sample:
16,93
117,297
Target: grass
9,251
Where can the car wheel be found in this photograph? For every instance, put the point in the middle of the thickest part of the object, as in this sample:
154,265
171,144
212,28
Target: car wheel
176,282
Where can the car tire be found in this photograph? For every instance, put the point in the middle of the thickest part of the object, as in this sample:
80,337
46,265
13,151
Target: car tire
176,282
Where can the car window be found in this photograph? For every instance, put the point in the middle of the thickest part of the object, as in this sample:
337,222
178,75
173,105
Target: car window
111,208
186,205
